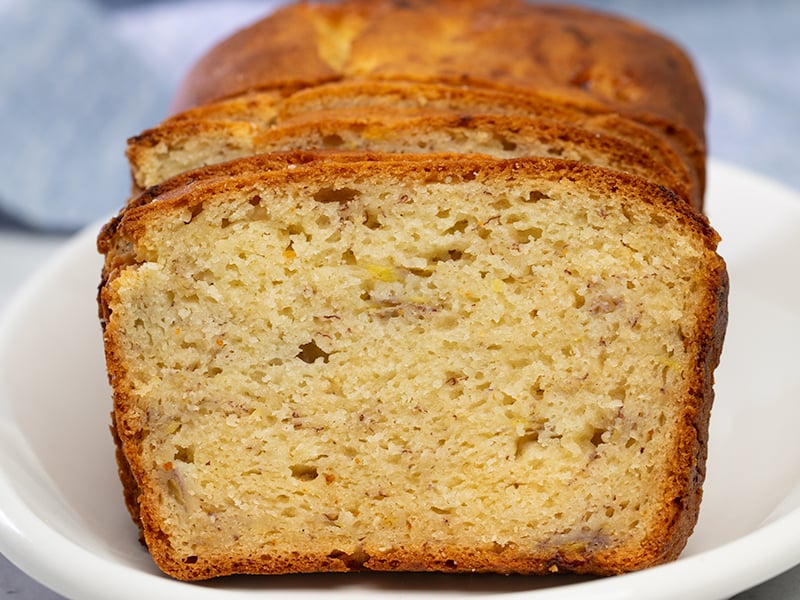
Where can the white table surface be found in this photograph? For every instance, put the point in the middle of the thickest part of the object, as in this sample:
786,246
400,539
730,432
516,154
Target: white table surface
747,52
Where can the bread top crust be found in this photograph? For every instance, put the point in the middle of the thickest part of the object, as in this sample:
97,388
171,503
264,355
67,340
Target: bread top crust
586,57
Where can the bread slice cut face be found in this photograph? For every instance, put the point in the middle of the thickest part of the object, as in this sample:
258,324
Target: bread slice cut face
440,363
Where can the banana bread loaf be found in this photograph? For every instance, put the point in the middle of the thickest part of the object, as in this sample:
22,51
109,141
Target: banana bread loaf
421,286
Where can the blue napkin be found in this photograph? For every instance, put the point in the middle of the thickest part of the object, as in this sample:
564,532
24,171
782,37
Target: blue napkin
70,95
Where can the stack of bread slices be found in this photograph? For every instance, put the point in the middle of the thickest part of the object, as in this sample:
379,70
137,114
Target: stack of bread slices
418,286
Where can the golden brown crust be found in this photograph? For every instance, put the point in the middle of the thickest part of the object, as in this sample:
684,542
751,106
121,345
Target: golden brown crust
130,488
296,64
683,490
588,58
712,325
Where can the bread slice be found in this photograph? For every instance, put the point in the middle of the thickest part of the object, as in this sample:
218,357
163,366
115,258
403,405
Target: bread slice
177,146
669,142
423,363
675,146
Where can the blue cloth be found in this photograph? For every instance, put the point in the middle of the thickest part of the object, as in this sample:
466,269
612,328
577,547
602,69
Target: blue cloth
70,95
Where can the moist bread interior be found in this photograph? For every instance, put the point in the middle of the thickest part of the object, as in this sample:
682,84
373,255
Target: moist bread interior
380,370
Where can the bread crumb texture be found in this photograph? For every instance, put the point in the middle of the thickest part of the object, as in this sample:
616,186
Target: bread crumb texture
377,374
